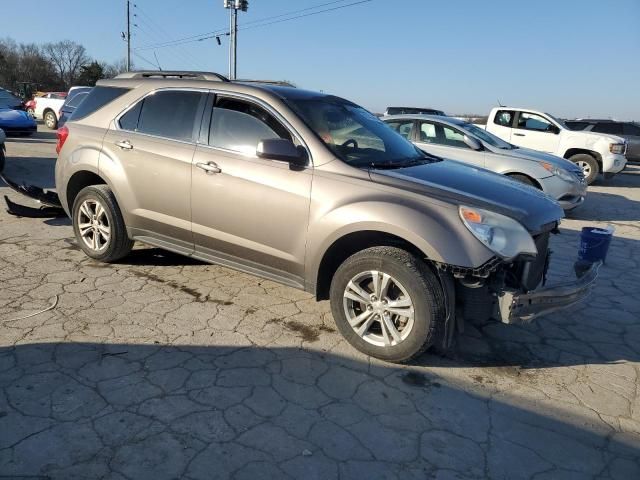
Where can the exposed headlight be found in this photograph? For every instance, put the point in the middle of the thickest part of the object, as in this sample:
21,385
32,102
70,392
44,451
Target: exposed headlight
558,172
617,147
501,234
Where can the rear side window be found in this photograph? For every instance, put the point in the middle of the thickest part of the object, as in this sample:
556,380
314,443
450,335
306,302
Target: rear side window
98,98
76,100
611,128
504,118
170,114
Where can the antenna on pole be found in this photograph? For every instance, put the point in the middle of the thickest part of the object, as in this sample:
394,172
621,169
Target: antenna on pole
234,6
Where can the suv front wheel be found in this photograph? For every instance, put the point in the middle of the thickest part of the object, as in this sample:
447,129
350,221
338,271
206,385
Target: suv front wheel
388,303
99,226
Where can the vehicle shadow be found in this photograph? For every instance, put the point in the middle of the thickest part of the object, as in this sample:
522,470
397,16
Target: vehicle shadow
147,411
607,207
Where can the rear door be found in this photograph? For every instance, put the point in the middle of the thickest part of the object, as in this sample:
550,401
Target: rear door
153,144
536,132
448,142
249,213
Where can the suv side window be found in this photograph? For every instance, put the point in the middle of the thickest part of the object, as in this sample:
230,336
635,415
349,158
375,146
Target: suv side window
239,126
403,127
608,127
631,129
504,118
531,121
170,114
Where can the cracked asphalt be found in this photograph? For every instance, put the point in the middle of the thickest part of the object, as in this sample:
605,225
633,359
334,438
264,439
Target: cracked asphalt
162,367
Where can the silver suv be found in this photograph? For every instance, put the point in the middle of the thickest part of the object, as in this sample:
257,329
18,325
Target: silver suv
312,191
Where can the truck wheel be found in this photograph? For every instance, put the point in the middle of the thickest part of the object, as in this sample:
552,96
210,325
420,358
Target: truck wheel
588,164
50,120
99,226
387,303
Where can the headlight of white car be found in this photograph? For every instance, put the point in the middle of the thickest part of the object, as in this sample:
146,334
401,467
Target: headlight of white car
617,148
559,172
501,234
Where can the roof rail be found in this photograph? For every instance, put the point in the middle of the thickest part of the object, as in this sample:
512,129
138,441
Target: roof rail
282,83
173,74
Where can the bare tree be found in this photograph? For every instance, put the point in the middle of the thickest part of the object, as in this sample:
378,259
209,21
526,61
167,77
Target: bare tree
67,57
113,69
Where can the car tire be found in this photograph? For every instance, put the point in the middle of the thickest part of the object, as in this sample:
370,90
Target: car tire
415,305
518,177
98,225
50,120
589,166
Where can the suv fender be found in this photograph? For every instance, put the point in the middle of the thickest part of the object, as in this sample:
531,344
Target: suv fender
439,235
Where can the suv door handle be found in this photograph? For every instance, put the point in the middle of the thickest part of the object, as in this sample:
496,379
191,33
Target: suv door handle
125,145
209,167
519,134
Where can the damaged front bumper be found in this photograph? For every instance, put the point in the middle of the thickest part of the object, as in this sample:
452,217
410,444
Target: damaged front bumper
516,307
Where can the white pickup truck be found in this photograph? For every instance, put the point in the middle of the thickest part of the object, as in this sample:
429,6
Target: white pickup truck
47,108
594,153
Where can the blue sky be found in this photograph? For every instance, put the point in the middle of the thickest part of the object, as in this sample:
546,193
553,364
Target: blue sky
567,57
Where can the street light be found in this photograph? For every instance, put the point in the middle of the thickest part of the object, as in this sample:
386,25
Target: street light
234,6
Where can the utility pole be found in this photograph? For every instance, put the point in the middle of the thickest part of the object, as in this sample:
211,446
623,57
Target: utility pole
128,37
234,6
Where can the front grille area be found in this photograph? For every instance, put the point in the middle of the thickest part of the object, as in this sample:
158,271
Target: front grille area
531,272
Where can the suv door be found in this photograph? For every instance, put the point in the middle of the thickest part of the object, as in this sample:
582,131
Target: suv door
247,212
154,142
536,132
448,142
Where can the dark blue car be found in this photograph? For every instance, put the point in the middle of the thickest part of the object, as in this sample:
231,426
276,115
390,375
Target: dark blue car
75,97
14,120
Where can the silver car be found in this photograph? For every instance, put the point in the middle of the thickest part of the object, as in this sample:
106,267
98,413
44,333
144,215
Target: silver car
464,142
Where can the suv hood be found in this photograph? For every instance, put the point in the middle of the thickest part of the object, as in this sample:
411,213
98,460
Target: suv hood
536,156
460,184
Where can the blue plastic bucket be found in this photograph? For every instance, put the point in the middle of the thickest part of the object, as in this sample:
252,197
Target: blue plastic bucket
594,244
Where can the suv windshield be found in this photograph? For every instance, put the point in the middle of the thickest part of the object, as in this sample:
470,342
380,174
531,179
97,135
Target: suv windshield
487,137
355,135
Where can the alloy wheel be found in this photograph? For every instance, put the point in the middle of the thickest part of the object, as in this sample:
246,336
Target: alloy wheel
93,225
378,308
586,168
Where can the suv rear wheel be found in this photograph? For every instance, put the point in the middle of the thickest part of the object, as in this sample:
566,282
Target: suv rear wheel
388,303
99,226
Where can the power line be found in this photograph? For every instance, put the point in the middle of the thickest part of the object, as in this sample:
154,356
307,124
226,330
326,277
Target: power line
252,24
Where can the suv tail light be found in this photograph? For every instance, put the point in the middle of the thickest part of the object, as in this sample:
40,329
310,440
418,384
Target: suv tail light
61,134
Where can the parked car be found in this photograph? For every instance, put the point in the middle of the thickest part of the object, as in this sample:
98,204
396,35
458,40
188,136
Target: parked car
594,153
628,130
30,107
9,100
47,108
464,142
75,97
412,111
268,180
3,137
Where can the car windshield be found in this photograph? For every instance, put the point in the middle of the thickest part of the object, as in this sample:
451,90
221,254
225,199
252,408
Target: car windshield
8,100
487,137
355,135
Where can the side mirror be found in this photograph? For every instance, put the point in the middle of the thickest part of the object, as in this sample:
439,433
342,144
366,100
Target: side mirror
473,143
281,149
553,129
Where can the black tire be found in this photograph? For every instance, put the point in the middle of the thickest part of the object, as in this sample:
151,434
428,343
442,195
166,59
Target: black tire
119,244
588,164
519,177
50,120
422,286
